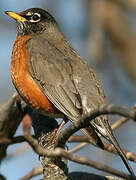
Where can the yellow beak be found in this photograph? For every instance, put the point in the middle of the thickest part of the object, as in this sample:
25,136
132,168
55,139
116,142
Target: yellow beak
15,16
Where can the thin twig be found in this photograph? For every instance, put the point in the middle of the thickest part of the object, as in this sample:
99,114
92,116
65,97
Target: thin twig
119,123
34,172
113,126
19,151
85,121
14,140
108,147
78,147
59,152
20,139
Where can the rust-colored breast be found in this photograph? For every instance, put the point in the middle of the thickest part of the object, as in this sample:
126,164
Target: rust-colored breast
22,80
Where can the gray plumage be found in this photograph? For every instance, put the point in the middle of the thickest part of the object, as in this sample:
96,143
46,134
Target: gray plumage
64,76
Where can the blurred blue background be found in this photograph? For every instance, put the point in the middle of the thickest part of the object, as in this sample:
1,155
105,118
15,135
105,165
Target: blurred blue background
73,18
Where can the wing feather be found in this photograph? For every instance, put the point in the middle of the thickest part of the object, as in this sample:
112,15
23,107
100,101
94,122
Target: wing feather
68,82
54,76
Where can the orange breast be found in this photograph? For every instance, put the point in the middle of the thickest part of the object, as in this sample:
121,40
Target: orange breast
22,80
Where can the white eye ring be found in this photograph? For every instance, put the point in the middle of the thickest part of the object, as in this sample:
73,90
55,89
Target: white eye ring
35,18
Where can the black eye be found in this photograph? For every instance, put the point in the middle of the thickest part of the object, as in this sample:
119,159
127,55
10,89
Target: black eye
36,17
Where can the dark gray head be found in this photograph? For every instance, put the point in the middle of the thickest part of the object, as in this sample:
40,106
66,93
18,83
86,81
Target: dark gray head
30,21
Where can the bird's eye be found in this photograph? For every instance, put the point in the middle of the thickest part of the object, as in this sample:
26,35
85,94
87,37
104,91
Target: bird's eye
35,18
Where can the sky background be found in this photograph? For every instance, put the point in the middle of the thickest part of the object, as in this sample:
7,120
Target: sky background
72,17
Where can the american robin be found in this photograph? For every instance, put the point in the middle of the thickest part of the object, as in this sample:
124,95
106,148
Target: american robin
53,78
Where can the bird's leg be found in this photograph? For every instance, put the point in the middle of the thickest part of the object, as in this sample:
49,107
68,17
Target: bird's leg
64,121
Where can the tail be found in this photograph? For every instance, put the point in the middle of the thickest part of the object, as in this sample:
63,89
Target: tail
93,136
119,150
110,137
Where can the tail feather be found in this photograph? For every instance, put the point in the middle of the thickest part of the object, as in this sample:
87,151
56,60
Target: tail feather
108,134
93,136
119,150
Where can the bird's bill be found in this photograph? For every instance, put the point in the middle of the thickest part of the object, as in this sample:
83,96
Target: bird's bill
15,16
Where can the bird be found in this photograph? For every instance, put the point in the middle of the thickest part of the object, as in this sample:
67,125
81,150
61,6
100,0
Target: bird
54,79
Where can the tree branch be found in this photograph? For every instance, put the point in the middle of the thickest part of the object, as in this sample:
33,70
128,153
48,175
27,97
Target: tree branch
59,152
45,129
85,121
10,118
108,147
34,172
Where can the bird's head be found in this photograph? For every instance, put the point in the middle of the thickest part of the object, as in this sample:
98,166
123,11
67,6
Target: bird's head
31,21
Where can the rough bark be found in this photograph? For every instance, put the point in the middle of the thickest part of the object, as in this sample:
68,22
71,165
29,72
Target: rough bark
46,130
10,118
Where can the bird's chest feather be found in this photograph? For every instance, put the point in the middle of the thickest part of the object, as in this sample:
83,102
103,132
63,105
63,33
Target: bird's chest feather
24,83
